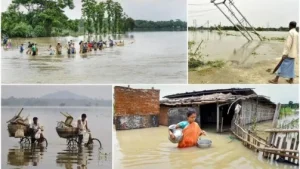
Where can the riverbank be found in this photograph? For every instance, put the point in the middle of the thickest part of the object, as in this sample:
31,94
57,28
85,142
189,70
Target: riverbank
229,58
231,73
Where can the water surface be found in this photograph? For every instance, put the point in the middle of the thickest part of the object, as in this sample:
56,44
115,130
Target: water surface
147,57
150,148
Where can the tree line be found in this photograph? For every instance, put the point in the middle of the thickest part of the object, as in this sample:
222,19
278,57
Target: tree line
233,28
46,18
53,102
160,25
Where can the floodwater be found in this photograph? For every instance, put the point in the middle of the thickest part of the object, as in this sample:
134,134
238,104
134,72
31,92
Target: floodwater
150,148
147,57
245,62
57,155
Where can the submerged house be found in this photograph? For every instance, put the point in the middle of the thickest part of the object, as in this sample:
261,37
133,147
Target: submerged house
216,108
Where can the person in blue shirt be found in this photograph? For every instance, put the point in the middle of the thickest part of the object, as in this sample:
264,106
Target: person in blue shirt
21,48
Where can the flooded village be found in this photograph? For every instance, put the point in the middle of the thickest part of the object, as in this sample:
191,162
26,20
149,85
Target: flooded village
251,137
228,43
92,42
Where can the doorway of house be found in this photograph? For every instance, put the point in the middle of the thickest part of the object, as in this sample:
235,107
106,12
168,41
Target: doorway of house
226,119
208,116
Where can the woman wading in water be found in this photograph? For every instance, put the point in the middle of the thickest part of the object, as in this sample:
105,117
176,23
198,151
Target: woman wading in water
191,131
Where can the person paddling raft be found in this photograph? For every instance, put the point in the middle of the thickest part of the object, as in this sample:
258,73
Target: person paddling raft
290,52
191,130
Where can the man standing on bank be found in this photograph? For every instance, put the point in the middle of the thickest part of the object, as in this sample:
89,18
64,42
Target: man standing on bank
290,53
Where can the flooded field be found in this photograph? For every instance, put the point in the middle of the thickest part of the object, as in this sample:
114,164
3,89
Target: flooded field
57,155
147,57
244,62
150,148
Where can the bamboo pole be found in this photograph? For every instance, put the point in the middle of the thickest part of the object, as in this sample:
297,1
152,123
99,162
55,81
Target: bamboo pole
253,137
280,130
218,117
268,149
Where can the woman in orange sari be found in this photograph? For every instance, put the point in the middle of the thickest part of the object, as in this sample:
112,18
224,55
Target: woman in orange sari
191,131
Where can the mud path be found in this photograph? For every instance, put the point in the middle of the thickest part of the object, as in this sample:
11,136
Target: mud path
232,73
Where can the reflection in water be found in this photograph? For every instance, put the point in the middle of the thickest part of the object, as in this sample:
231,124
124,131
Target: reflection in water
80,158
25,155
242,54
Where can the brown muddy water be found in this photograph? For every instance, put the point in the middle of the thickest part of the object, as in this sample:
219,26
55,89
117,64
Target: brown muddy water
245,62
147,57
150,148
57,155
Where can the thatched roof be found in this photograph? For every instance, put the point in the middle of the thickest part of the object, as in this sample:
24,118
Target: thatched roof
213,98
234,91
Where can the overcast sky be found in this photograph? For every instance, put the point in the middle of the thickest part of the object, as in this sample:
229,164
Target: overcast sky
277,93
92,91
274,13
137,9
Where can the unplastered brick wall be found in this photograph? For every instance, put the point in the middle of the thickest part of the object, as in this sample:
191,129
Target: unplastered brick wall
129,101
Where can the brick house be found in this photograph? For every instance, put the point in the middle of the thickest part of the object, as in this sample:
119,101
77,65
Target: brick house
135,108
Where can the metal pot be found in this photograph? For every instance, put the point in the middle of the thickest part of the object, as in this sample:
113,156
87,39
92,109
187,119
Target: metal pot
177,133
204,143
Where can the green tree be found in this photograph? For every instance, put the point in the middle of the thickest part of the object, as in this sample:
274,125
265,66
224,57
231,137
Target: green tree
291,104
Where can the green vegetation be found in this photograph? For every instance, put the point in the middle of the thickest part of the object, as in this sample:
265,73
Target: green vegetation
288,109
273,38
196,58
46,18
94,20
160,25
40,18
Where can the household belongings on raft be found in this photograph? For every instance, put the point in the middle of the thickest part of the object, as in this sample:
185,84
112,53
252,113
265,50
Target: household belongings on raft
18,126
65,129
177,133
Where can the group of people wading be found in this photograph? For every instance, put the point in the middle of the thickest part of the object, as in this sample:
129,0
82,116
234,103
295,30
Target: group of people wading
85,47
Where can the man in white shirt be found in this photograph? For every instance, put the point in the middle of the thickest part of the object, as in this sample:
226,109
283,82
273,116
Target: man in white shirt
290,53
35,127
82,128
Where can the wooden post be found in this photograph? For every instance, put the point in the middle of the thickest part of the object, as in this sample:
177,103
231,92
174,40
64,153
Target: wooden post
274,123
291,148
248,139
218,117
277,146
199,115
222,125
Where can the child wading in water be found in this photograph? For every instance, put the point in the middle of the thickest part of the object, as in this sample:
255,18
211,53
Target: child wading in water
21,48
